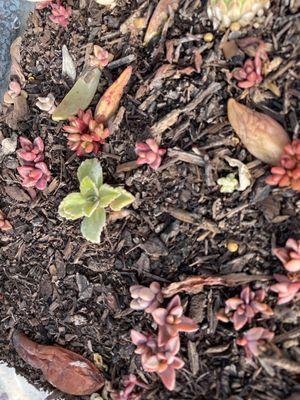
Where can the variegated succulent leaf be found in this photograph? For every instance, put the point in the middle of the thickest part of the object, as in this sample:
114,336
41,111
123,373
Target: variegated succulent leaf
91,227
72,206
91,168
124,199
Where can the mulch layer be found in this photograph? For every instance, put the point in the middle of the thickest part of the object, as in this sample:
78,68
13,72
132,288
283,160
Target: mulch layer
58,288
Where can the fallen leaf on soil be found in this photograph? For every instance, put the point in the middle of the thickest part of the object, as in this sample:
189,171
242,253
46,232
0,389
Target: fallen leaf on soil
110,101
154,247
16,193
230,49
9,145
67,371
159,17
262,136
110,3
80,96
195,284
244,173
16,59
19,113
68,67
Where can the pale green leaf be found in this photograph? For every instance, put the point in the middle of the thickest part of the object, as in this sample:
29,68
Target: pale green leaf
72,206
107,194
88,189
123,200
91,227
80,96
89,208
91,168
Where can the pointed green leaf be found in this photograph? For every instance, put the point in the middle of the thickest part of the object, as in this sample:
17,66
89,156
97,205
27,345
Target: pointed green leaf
123,200
89,208
91,168
88,188
107,194
72,206
91,227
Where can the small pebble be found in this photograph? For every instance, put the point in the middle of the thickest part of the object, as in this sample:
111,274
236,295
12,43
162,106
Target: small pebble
232,246
208,37
235,27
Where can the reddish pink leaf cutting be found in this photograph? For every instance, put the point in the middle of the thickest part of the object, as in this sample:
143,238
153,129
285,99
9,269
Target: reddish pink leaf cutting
67,371
110,101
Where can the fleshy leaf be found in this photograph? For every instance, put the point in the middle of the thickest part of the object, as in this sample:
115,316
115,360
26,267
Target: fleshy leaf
72,206
89,208
110,101
88,188
107,194
91,168
80,96
123,200
91,227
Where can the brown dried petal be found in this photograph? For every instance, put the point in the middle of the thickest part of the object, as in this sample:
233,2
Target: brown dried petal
262,136
67,371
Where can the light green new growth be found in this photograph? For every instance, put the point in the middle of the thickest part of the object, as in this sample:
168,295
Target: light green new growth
228,184
92,199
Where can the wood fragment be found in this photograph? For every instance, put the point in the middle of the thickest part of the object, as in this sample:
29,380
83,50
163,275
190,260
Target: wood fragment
126,167
193,357
186,157
195,284
283,363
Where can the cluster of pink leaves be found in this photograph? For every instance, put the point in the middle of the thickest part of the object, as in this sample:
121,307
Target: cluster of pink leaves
251,72
149,153
288,286
34,171
241,310
130,382
59,14
160,354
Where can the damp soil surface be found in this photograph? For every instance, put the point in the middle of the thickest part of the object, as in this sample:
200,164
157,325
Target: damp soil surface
58,288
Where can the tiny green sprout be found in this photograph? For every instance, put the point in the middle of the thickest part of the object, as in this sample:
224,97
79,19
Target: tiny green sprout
228,184
91,201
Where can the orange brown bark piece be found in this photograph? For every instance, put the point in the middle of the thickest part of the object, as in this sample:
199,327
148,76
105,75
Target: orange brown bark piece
67,371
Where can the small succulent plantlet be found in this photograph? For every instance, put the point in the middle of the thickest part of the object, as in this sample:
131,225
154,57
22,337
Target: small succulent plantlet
228,184
146,344
289,255
100,58
85,134
46,103
241,310
144,298
165,362
130,382
60,15
159,359
31,151
251,72
253,340
149,153
34,171
171,321
36,176
91,201
5,225
235,13
287,173
286,288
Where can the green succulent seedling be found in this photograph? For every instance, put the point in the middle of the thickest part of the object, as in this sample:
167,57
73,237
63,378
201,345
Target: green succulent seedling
91,201
228,184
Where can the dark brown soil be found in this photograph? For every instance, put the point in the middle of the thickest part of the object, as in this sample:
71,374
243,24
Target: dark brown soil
60,289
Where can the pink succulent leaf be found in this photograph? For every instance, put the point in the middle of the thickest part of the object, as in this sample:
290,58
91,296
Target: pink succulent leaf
262,308
164,334
281,278
292,265
233,303
281,254
152,145
293,245
24,171
254,333
156,163
187,325
175,302
246,294
168,378
151,364
26,155
239,321
25,143
137,338
38,142
149,153
141,147
159,315
173,345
